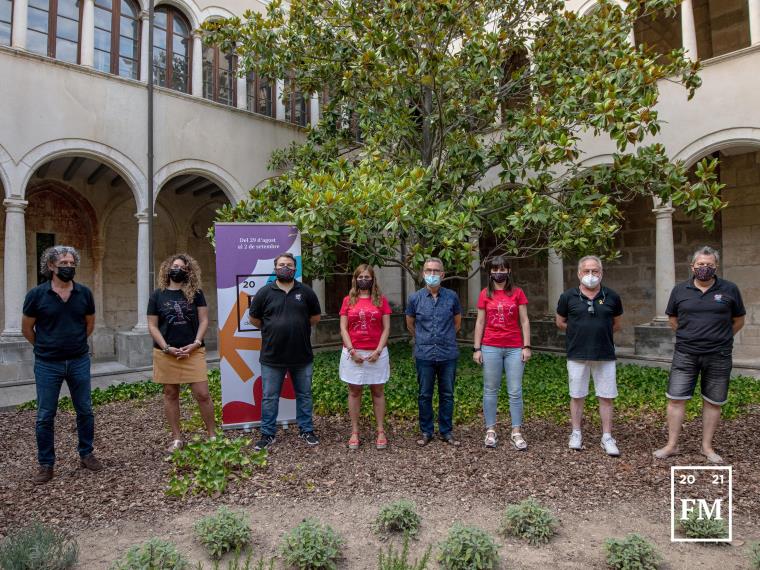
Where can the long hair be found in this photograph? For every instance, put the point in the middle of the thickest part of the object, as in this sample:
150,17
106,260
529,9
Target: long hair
376,295
192,285
499,262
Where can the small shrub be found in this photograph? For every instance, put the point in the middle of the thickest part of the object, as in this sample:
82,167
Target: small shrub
530,521
400,516
633,552
38,547
311,546
468,548
223,532
694,527
754,556
207,465
153,554
393,560
237,562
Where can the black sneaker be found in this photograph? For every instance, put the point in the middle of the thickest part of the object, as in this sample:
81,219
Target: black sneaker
264,442
309,437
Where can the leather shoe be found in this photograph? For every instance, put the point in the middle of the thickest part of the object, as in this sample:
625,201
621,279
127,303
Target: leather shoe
449,438
44,474
91,462
424,440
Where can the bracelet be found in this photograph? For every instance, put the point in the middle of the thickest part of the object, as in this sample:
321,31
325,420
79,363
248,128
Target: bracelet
475,349
198,342
528,347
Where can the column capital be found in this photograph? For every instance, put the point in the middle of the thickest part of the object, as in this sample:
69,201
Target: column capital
198,34
664,212
142,217
143,15
15,205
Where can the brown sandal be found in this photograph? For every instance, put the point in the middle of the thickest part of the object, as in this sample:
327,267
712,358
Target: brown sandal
381,442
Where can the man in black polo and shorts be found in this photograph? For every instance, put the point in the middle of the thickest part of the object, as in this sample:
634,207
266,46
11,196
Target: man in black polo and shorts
706,312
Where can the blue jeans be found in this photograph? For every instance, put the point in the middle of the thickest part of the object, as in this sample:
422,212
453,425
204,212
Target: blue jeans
427,372
272,378
497,361
49,376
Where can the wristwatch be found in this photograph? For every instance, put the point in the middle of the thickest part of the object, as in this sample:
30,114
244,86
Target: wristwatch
476,349
166,349
528,347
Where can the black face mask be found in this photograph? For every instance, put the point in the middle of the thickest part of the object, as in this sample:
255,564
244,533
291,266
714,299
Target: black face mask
364,284
66,274
285,274
177,275
500,277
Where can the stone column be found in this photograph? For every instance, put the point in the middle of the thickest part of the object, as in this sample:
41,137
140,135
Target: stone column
242,92
197,87
665,268
473,283
754,22
18,30
688,30
145,58
279,103
632,37
98,253
314,109
87,45
555,282
14,279
143,287
318,286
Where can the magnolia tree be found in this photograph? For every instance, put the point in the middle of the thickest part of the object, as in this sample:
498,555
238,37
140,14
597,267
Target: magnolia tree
449,122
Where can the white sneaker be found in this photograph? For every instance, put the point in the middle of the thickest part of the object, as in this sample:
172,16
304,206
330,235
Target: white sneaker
609,445
576,441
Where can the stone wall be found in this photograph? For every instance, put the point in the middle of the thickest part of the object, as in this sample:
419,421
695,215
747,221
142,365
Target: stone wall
722,26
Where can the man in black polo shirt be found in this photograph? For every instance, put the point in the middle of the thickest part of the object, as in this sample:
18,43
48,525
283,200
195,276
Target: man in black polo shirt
590,314
285,311
706,312
58,316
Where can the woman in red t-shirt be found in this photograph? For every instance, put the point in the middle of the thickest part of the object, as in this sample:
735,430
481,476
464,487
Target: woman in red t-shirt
365,324
502,345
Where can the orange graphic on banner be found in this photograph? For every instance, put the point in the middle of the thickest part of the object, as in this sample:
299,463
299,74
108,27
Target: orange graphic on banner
229,344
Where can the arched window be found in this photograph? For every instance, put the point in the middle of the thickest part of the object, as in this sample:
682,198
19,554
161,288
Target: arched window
6,15
260,94
117,53
171,50
53,28
218,75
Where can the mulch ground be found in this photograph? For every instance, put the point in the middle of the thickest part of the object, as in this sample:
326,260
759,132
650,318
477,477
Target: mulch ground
131,439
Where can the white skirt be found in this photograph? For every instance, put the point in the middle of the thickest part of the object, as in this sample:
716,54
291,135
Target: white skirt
376,372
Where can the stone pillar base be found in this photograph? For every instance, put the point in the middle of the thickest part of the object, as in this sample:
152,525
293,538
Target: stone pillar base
655,338
545,334
134,349
102,343
16,360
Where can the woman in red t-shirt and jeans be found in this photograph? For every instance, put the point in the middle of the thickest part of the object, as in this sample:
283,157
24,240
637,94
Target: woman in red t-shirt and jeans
502,345
365,325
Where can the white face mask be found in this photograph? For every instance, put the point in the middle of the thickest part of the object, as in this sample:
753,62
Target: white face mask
590,281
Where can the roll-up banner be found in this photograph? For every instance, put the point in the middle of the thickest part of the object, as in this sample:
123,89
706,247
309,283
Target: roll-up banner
245,256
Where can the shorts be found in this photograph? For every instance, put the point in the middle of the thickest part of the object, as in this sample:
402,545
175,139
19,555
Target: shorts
714,370
603,371
367,372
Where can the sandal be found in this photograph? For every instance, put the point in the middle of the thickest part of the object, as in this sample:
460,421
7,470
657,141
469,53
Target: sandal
176,444
518,441
353,443
491,438
381,442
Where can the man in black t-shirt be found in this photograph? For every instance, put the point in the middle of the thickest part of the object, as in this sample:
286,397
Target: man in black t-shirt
285,310
706,312
590,314
58,316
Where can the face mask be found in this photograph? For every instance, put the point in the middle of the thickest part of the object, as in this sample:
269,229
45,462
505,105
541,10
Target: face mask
704,273
499,277
285,274
178,275
364,284
66,274
433,280
591,281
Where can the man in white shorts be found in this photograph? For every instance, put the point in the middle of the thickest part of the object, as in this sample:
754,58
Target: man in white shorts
590,314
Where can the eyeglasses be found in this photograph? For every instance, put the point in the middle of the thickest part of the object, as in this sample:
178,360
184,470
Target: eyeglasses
432,271
705,265
591,308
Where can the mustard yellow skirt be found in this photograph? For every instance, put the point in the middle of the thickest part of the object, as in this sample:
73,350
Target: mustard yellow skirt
168,370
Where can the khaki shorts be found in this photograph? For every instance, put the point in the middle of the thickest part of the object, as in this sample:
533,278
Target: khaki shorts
603,371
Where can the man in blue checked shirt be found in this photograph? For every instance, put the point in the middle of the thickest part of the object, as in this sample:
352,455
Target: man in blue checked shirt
433,318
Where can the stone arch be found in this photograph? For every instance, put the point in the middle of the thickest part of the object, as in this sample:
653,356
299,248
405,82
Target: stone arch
227,183
188,8
215,13
718,140
113,158
589,5
63,191
6,162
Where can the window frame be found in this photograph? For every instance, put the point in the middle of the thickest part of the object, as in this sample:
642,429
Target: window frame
171,11
52,30
10,24
290,105
115,53
253,82
218,56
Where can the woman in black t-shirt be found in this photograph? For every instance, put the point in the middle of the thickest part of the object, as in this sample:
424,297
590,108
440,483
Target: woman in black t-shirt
177,321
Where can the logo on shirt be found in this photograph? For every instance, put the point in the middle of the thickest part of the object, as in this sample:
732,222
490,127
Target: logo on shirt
298,296
498,316
718,297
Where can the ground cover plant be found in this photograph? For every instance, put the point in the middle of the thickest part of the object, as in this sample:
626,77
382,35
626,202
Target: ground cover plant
38,547
153,554
695,527
120,392
468,548
207,465
634,552
530,521
223,532
754,555
393,560
311,546
398,517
